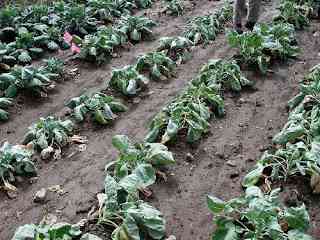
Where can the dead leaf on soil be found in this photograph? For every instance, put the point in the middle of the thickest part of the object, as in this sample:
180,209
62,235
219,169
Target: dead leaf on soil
57,189
315,183
49,219
79,139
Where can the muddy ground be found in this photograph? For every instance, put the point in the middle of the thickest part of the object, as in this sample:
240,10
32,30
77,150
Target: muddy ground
220,160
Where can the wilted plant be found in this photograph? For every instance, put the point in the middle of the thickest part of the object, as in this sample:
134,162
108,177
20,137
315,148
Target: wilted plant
258,216
177,48
127,80
101,107
49,132
157,64
136,27
4,104
15,160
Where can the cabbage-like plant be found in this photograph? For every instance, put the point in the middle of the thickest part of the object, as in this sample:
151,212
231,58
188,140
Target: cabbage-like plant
258,216
99,47
30,79
101,107
157,64
136,27
204,29
15,160
49,132
127,80
177,48
4,104
174,7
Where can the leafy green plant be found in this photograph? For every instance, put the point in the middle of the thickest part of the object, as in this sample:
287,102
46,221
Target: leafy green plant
258,216
8,16
265,43
133,172
190,112
291,12
76,21
4,104
101,107
132,155
143,3
127,80
99,47
175,7
157,64
136,27
106,10
54,231
298,142
227,74
204,29
177,48
24,46
49,132
34,80
15,160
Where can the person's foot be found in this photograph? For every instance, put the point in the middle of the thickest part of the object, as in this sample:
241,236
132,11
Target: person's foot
238,28
250,25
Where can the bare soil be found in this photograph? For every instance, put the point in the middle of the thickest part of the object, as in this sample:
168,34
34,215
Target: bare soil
220,161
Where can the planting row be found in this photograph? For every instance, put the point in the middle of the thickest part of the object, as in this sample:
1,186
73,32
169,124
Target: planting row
134,170
26,32
258,214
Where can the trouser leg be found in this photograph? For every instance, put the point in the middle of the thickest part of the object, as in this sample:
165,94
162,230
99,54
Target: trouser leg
238,10
254,9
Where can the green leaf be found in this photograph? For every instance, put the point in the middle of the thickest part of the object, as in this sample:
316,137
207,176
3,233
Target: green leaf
226,230
297,235
297,218
253,177
25,232
215,204
158,155
89,236
141,177
11,91
135,35
121,142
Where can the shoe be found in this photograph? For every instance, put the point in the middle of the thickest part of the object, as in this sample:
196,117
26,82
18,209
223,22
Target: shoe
250,25
238,28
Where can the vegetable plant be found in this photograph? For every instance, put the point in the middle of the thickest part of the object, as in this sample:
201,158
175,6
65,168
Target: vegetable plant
99,47
265,43
101,107
127,80
204,29
4,104
136,27
49,132
34,80
174,7
298,141
189,113
55,231
157,64
15,160
107,10
258,216
296,14
177,48
227,74
76,21
133,172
